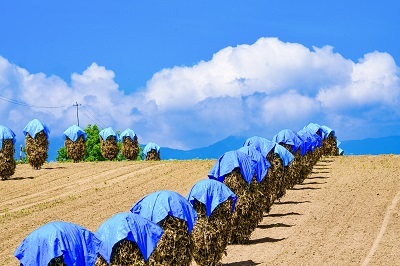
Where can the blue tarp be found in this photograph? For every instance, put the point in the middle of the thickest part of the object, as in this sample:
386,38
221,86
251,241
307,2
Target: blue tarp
127,133
229,161
78,245
211,193
285,155
261,165
158,205
34,127
130,226
326,131
6,133
150,146
288,136
74,132
308,140
263,145
107,132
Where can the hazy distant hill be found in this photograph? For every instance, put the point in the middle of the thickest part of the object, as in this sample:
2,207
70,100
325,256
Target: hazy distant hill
374,146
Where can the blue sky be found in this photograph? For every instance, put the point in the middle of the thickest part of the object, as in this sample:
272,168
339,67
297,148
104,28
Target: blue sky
185,74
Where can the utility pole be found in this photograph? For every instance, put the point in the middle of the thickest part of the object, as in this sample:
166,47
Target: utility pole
77,114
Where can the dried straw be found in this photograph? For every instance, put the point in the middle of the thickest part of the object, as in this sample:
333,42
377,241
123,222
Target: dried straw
130,148
37,149
153,155
211,235
109,148
7,162
75,150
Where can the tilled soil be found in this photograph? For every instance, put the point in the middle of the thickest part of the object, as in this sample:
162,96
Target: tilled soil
345,213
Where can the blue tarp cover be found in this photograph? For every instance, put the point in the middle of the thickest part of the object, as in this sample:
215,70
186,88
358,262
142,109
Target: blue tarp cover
263,145
288,136
74,132
285,155
127,133
211,193
229,161
312,127
78,245
107,132
326,131
6,133
261,165
34,127
308,140
130,226
150,146
158,205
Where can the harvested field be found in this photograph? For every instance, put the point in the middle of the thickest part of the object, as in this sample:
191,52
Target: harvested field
345,213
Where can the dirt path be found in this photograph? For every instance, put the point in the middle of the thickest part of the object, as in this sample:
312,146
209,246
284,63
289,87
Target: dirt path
346,213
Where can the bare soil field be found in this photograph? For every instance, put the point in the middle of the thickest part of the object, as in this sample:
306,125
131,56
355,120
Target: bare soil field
346,213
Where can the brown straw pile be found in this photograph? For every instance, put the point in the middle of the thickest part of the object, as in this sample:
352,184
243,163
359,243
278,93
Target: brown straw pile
37,149
276,176
153,155
211,235
109,148
124,252
130,148
7,162
243,216
75,150
57,261
175,246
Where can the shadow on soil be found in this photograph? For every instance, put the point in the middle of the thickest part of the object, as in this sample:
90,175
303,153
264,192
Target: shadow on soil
291,202
263,240
281,214
312,183
242,263
304,188
51,168
18,178
268,226
318,177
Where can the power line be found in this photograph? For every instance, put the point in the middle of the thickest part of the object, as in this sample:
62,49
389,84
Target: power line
28,105
93,116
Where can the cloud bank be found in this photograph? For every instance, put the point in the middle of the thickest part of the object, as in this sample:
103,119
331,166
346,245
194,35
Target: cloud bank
247,90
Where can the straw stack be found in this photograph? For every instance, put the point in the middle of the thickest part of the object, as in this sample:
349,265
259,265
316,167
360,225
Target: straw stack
109,147
211,235
124,252
175,246
37,149
130,148
7,162
75,150
153,155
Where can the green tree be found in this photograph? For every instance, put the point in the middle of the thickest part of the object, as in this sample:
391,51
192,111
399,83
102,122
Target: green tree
62,155
93,150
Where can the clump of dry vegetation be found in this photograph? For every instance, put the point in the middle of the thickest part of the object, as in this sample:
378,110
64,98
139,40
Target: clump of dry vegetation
109,147
7,162
76,150
130,148
36,149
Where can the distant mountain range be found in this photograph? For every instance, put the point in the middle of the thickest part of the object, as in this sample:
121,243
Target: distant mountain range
373,146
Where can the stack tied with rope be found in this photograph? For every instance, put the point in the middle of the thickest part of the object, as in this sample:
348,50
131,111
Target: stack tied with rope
177,217
260,166
7,162
235,170
108,143
75,143
36,143
127,239
293,143
151,152
214,204
130,144
59,243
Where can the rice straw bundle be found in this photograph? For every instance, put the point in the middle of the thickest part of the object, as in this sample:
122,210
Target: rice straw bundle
243,215
153,155
36,149
292,171
130,148
211,235
109,147
275,174
175,246
331,148
57,261
7,162
75,150
124,252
